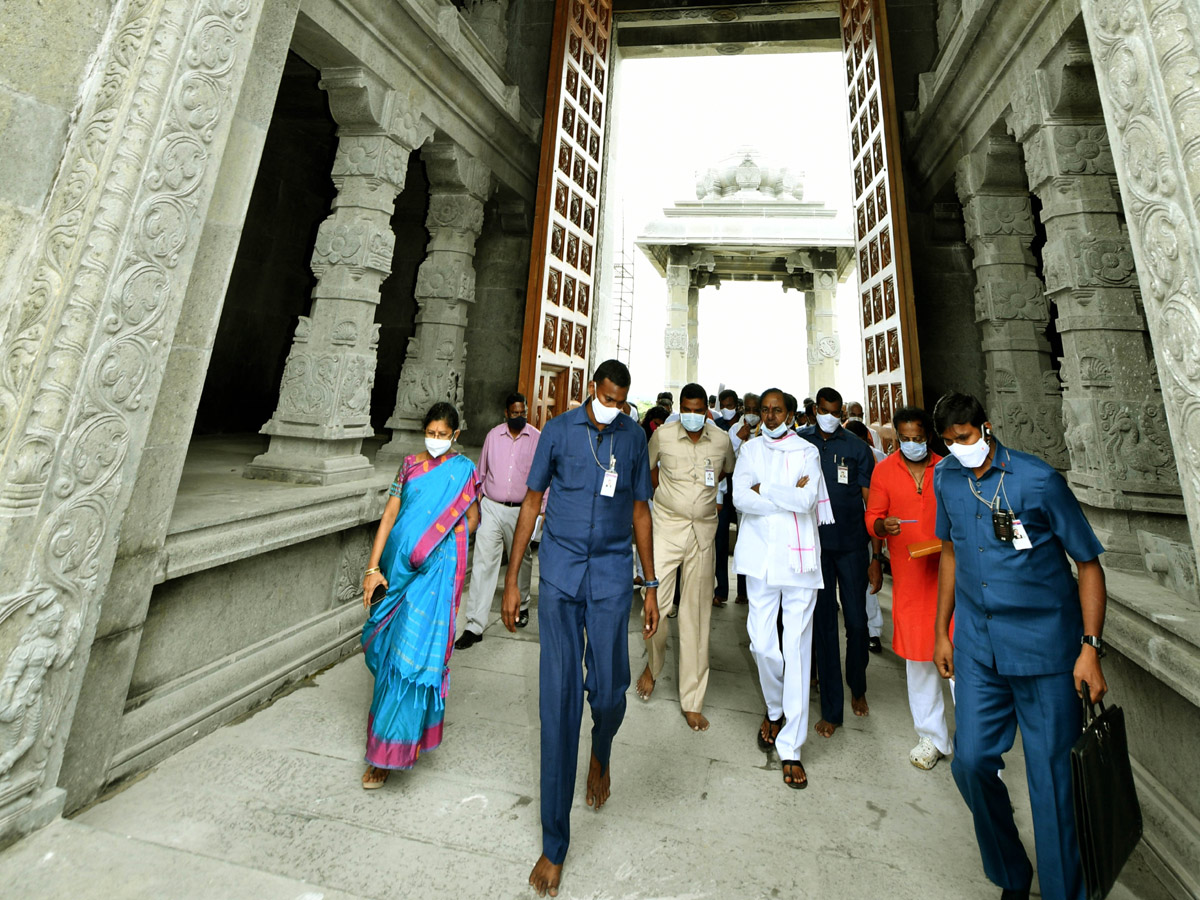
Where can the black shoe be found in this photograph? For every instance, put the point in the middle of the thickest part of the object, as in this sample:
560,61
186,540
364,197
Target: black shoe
874,645
468,639
523,618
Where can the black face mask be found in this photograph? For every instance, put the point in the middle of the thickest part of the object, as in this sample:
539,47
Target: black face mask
516,423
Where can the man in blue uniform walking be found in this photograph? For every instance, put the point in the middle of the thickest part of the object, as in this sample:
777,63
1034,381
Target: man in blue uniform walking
596,460
1025,639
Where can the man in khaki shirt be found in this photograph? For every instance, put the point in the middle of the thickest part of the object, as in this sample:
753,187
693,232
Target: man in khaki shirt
688,459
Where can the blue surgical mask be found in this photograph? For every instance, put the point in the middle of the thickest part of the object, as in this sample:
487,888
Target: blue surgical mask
914,450
692,421
776,432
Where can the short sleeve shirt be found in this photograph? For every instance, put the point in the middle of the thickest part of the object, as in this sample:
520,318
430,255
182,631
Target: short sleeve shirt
1015,610
682,465
586,534
848,531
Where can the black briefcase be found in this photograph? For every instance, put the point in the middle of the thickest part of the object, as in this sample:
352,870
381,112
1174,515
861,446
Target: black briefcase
1107,815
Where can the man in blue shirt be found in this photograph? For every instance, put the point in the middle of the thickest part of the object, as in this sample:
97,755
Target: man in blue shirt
595,460
847,562
1025,639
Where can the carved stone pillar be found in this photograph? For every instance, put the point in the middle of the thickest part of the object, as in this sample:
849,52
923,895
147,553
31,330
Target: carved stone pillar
1151,119
675,335
693,333
1122,459
435,364
324,409
1023,399
824,343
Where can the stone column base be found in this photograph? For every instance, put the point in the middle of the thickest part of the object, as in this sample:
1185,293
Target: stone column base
299,460
35,811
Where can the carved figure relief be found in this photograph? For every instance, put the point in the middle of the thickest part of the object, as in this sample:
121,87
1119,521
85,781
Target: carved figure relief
1137,444
307,386
46,644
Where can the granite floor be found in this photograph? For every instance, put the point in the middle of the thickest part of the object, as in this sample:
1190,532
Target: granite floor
271,806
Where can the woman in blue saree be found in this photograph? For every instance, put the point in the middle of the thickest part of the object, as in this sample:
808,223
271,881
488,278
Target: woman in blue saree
420,558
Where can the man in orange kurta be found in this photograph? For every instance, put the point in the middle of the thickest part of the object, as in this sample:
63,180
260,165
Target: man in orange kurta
901,508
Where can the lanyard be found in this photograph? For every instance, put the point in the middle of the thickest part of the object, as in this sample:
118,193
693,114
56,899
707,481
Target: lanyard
995,504
612,459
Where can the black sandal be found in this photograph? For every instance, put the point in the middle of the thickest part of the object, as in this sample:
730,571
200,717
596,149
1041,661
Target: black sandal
765,744
794,764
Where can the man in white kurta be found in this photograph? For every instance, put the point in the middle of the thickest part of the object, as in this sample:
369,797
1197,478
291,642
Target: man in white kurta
780,491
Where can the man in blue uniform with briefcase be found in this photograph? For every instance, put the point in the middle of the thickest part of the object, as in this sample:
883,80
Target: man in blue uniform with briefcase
1025,638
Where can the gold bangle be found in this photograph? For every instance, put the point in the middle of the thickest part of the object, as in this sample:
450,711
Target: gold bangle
370,570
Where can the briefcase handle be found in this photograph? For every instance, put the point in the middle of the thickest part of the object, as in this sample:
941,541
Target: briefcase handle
1089,708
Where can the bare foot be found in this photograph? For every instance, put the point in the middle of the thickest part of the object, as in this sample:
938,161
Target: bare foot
696,721
645,684
598,784
794,774
545,877
374,778
826,729
859,705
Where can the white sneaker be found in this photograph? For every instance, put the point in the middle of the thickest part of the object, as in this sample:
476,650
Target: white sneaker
925,755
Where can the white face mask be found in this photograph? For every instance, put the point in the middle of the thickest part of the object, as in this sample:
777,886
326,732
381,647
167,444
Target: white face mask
971,455
437,446
728,414
914,450
692,421
854,419
827,422
605,415
752,419
776,432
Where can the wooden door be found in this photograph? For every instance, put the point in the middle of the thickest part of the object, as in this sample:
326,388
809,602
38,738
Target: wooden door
890,358
562,270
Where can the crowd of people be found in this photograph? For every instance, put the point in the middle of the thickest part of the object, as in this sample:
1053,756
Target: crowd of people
976,540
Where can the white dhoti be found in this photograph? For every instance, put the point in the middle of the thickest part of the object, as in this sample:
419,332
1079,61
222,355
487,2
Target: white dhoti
928,704
493,538
783,673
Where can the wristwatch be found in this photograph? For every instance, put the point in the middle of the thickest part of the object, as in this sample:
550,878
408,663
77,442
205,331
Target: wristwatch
876,556
1093,641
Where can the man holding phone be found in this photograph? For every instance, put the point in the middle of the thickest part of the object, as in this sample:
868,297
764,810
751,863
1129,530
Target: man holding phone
1026,638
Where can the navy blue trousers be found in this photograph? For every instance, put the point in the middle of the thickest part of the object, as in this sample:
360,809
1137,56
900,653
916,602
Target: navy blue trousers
725,517
844,570
988,708
562,621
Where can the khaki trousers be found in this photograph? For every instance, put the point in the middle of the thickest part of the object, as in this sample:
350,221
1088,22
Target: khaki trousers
678,548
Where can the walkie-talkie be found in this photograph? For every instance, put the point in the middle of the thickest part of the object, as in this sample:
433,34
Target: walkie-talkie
1002,525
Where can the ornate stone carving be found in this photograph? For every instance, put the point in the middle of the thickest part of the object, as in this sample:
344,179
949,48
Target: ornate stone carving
1136,442
693,348
1170,563
46,644
356,550
675,338
996,300
84,347
1081,440
990,214
1035,427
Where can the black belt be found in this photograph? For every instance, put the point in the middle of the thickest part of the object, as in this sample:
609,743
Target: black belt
505,502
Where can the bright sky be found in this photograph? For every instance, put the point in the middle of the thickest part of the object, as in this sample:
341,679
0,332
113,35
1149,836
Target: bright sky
678,116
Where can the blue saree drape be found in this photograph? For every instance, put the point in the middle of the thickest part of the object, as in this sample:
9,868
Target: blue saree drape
409,635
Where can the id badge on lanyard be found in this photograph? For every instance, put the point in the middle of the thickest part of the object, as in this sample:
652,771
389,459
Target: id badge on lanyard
843,472
710,474
1020,537
609,488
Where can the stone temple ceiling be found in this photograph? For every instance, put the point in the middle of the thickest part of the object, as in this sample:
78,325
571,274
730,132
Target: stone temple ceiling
688,27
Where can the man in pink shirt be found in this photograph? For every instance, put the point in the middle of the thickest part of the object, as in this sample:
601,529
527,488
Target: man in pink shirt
503,469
